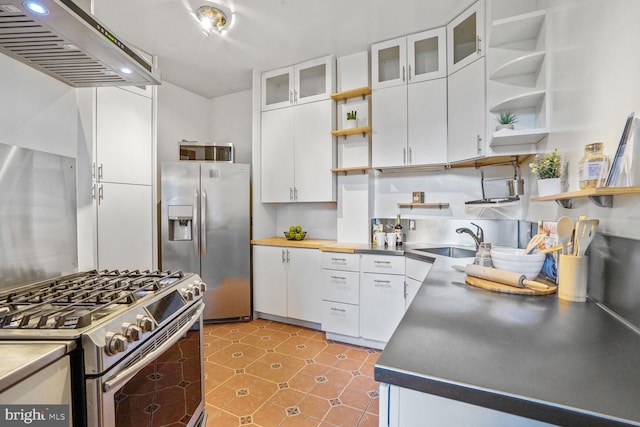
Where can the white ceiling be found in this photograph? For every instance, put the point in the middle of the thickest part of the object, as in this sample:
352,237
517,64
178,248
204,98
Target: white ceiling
266,34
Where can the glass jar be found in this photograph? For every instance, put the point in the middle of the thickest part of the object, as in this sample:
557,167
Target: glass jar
593,166
483,256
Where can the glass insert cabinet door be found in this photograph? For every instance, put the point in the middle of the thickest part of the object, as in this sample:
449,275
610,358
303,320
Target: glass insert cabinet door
465,37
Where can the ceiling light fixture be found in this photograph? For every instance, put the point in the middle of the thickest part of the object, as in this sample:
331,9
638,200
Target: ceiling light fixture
211,18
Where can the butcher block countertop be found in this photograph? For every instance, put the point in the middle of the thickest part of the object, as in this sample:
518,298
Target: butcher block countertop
322,244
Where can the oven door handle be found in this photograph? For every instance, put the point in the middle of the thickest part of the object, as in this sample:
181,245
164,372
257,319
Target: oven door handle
142,363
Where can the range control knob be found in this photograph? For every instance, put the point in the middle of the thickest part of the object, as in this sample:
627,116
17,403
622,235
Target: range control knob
187,294
145,323
201,285
196,289
114,343
131,331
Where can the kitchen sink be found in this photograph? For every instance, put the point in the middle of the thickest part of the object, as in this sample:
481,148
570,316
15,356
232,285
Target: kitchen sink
450,251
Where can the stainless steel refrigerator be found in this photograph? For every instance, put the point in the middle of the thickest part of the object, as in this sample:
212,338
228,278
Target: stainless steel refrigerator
206,230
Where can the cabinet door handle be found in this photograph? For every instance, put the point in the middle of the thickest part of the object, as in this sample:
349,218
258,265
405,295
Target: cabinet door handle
404,156
100,171
100,194
283,256
291,193
93,192
403,79
338,278
409,73
478,48
341,310
410,156
406,294
295,194
479,144
295,96
288,256
290,97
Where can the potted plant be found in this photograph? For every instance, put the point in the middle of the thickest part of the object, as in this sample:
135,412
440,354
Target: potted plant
352,121
506,120
548,169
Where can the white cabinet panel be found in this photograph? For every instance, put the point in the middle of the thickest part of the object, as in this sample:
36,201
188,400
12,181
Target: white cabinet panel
125,226
341,286
412,287
124,136
340,261
382,305
416,269
270,280
467,113
340,318
277,155
427,122
314,152
382,264
304,284
389,112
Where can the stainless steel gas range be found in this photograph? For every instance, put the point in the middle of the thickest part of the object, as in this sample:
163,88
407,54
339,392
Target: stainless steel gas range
137,358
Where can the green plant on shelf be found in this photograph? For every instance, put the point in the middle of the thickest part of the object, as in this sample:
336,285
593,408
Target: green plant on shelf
548,165
351,115
507,118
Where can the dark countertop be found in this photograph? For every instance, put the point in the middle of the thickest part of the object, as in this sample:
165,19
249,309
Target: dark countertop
534,356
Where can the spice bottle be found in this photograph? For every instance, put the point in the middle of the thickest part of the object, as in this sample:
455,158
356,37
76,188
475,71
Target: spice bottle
593,166
398,230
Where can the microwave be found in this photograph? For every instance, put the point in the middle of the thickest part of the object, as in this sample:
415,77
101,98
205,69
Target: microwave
216,152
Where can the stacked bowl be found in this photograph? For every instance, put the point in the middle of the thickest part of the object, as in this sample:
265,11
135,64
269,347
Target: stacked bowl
516,261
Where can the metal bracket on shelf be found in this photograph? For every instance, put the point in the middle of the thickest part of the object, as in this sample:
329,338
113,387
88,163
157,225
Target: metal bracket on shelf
604,201
565,203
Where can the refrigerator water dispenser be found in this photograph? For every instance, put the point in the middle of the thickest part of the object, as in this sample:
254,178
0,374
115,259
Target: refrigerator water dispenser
180,222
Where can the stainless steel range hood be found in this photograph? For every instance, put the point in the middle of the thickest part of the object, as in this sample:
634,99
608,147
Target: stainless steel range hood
70,44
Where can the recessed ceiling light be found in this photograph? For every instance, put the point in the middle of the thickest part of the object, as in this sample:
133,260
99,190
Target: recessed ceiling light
211,19
126,70
36,7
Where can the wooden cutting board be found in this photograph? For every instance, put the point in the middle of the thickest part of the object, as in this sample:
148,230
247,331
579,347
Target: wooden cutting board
499,287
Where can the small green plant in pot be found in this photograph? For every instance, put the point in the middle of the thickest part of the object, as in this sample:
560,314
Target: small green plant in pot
352,120
548,168
506,120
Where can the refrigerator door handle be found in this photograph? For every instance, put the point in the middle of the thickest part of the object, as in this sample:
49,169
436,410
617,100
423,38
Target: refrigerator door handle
194,223
203,231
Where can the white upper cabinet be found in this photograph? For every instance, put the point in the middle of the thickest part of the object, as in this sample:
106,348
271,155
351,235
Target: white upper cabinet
465,38
409,59
306,82
409,102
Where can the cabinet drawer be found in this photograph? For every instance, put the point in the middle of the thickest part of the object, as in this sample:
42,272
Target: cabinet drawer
341,286
382,305
383,264
340,261
340,318
417,270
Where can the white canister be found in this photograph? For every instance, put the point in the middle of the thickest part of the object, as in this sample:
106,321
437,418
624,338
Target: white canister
391,239
379,239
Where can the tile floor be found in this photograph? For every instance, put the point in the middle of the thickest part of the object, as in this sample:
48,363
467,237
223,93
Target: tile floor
270,374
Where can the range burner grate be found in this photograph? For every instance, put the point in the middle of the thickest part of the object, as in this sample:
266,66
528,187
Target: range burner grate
77,300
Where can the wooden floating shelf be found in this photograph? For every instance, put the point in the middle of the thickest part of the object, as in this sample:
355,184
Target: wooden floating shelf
602,196
351,131
362,169
438,205
352,93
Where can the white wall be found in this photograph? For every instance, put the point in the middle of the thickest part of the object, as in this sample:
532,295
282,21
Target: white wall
596,84
231,122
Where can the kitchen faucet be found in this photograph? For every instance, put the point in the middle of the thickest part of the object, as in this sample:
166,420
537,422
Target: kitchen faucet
478,238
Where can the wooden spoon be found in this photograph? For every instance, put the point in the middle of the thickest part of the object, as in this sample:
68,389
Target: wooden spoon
564,229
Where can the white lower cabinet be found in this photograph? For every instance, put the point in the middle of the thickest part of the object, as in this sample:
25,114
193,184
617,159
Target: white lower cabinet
402,407
284,284
416,272
341,293
381,296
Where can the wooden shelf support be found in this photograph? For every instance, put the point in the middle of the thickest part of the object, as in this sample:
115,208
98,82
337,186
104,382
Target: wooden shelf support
438,205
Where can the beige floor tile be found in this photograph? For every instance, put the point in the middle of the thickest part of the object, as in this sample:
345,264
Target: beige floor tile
269,374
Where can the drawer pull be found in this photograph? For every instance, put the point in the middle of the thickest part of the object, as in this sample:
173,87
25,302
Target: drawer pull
339,259
338,278
382,262
388,282
341,310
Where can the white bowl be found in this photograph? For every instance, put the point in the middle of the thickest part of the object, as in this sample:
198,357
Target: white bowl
516,261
